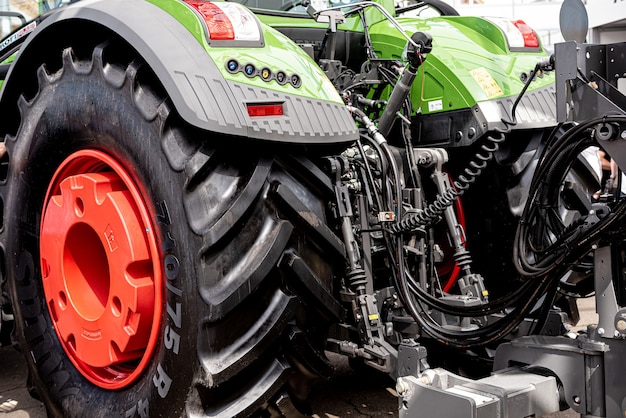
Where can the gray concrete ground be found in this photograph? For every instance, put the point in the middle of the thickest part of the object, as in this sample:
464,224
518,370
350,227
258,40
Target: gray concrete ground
15,402
349,394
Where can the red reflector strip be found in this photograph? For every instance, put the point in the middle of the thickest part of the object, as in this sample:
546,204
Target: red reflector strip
265,110
529,35
219,25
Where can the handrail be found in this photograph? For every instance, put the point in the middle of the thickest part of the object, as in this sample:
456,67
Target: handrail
14,14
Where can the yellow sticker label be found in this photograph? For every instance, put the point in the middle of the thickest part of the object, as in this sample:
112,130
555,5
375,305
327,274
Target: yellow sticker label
486,82
373,317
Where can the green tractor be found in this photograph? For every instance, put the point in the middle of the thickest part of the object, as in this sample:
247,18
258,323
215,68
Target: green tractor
200,199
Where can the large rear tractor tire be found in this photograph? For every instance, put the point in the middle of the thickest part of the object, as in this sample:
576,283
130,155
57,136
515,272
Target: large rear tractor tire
159,270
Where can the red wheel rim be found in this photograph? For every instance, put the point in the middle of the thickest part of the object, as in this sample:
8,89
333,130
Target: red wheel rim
101,269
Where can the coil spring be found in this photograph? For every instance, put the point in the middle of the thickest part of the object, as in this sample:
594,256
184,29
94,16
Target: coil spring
357,279
433,211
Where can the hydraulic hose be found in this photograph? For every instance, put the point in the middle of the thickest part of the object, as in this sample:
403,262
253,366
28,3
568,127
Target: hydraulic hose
432,212
413,296
549,175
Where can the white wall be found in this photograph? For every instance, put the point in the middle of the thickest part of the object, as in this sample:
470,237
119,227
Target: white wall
603,13
5,24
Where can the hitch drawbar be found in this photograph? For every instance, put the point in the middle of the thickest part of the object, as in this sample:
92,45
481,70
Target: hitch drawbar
510,393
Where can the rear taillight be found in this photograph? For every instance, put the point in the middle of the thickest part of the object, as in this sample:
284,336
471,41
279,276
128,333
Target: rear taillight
227,21
518,34
530,37
273,109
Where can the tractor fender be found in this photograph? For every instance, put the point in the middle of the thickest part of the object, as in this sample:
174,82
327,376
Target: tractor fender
201,95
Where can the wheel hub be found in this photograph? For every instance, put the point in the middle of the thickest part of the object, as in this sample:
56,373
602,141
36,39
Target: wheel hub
100,268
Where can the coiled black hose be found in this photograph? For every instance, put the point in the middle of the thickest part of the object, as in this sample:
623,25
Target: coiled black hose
433,211
522,300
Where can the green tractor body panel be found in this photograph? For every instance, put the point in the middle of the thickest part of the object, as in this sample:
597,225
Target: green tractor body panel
470,62
273,52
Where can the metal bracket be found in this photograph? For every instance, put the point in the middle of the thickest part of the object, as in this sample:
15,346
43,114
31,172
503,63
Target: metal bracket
578,364
508,393
606,303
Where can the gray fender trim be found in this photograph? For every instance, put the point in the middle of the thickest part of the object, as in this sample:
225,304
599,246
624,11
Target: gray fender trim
195,85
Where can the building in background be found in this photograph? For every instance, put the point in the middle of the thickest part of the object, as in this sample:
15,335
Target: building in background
607,21
27,9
